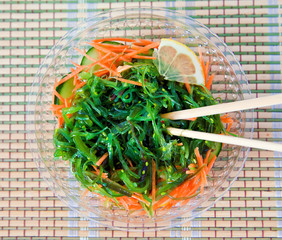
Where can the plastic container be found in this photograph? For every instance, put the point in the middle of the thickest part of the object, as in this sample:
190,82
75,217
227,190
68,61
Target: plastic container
230,84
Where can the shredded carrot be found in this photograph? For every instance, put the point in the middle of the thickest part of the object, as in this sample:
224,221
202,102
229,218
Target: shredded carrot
180,144
229,126
138,44
226,119
67,103
207,71
211,163
203,172
145,41
192,165
191,119
94,63
102,159
75,64
153,181
78,86
101,72
143,57
199,157
207,156
141,199
129,161
113,39
135,46
128,81
209,82
141,50
59,96
69,76
123,68
123,202
60,121
97,171
102,49
188,87
109,46
54,107
189,171
201,60
97,62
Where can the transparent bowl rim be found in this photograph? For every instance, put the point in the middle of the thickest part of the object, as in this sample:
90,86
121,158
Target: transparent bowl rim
79,28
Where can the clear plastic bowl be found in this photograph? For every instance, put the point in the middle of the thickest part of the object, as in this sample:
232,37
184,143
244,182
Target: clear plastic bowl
230,84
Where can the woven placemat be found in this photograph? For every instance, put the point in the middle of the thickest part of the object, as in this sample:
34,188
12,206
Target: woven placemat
253,206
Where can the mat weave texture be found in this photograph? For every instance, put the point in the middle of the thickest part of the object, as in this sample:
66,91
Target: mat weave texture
252,209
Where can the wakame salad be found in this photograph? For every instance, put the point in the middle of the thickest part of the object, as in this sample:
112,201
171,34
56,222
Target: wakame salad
111,132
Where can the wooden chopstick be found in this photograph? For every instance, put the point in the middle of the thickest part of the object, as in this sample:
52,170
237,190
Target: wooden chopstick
225,107
226,139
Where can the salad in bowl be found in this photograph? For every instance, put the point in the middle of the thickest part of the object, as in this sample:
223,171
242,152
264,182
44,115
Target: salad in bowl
103,142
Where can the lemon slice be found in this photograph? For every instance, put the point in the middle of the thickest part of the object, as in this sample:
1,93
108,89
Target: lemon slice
177,62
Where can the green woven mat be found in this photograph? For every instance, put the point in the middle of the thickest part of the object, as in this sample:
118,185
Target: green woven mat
252,207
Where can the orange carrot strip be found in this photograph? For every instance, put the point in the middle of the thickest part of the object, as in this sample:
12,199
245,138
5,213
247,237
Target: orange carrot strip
97,62
211,163
67,103
153,181
101,72
141,199
207,71
78,86
123,68
188,87
191,119
123,202
135,46
128,81
194,190
75,80
207,156
59,96
106,45
192,165
119,50
60,121
145,41
143,57
78,70
190,171
138,44
102,49
102,159
94,63
226,119
201,57
229,126
203,180
141,50
206,160
54,107
113,39
175,191
97,171
209,82
199,157
75,64
129,161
